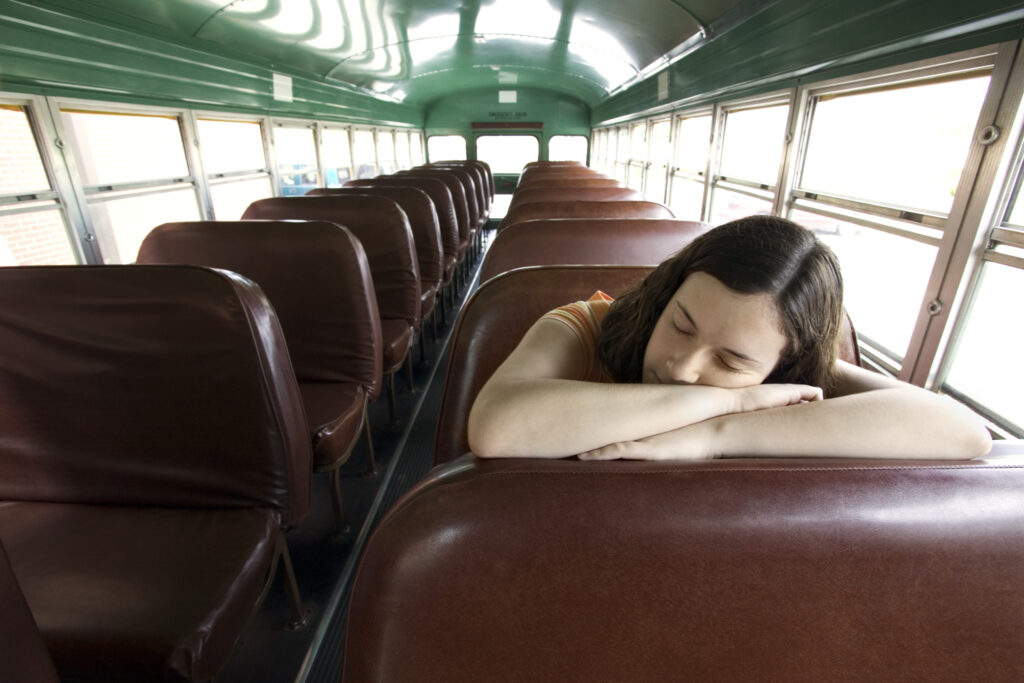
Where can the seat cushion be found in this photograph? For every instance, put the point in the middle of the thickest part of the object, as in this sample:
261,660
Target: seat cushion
397,335
335,413
139,593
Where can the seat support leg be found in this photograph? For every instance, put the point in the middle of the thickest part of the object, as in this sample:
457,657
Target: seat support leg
298,619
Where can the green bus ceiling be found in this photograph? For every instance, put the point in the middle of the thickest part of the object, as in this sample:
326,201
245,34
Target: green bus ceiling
408,62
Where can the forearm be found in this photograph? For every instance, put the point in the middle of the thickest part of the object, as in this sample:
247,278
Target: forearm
556,418
903,422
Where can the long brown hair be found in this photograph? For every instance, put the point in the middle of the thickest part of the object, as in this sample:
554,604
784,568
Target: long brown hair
753,255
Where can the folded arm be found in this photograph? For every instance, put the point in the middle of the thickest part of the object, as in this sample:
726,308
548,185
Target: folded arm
870,416
535,404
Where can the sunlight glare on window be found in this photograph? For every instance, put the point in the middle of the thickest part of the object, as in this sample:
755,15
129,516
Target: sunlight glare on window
902,146
985,366
754,139
507,153
446,148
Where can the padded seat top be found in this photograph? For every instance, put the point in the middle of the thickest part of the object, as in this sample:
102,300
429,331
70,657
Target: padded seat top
584,209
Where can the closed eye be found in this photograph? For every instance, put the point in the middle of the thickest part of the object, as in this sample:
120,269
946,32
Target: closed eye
680,330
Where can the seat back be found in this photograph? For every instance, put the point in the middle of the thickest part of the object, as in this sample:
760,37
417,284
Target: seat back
584,209
316,276
459,201
465,176
493,321
422,215
438,192
480,179
381,227
24,656
500,312
564,180
147,385
609,241
566,193
781,570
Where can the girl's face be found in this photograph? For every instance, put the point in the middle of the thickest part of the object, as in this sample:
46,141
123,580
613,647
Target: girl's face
711,335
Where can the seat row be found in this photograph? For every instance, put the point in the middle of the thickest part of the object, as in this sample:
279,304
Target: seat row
161,422
649,569
571,190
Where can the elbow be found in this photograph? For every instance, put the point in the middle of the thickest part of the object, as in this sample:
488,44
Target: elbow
483,436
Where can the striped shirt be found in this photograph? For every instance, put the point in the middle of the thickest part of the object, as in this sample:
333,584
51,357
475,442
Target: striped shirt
584,318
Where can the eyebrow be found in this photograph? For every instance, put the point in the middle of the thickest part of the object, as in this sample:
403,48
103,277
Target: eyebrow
731,352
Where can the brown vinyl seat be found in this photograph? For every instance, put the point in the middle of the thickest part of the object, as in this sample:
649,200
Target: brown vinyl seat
534,182
480,177
477,211
459,202
444,206
24,656
383,229
563,193
426,232
584,209
154,451
598,241
316,276
723,570
497,316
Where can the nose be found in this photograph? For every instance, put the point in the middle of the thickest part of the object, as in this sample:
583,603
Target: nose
684,368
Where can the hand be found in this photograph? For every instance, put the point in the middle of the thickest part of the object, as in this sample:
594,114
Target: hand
686,443
762,396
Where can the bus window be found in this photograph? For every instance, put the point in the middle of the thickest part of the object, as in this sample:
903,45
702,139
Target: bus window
507,153
752,145
135,176
657,171
902,151
689,166
637,156
982,368
621,153
448,147
336,155
296,159
235,165
364,153
568,148
402,149
386,162
32,231
416,148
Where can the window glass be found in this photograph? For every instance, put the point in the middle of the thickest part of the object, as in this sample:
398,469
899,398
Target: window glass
231,146
657,174
687,199
35,238
386,152
122,220
507,153
448,148
900,146
232,198
986,366
296,159
416,148
21,169
884,278
693,141
364,153
568,148
122,148
402,149
752,147
336,155
727,206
